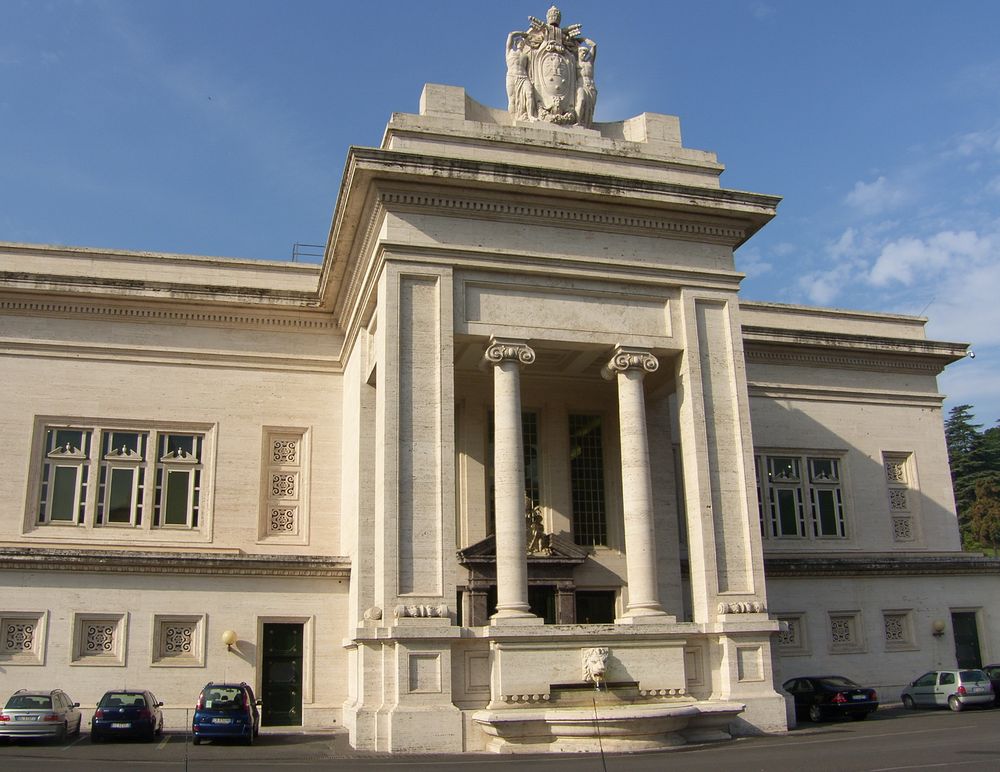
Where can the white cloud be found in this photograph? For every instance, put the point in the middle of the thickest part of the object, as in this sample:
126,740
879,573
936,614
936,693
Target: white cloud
875,197
908,259
762,10
752,263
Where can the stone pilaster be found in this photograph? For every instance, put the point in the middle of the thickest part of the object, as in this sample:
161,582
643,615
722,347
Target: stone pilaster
507,358
629,367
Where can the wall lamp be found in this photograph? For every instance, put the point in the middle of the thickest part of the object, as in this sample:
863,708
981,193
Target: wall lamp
229,638
937,628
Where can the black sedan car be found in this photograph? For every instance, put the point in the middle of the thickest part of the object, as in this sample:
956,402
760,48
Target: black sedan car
823,697
993,671
127,713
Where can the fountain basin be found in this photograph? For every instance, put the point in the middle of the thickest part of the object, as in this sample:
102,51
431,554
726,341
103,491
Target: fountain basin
609,727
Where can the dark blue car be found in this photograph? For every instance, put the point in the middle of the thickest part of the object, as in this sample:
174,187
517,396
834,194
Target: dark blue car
226,711
127,713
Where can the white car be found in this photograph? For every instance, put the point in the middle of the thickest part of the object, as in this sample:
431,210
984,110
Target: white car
955,688
30,714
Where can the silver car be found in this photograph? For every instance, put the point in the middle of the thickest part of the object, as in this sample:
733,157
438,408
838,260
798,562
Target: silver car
955,688
40,714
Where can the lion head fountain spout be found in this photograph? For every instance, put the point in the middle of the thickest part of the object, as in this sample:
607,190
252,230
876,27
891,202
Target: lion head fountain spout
595,664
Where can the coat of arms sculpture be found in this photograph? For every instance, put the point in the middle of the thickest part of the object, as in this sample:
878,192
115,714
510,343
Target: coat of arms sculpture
550,73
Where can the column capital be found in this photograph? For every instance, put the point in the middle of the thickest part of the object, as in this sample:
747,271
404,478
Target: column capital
629,359
499,350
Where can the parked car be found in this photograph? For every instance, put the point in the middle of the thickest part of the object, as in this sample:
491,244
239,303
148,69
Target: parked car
833,696
40,714
957,689
993,673
127,713
226,710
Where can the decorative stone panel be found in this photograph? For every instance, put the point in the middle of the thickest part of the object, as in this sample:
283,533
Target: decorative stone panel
791,638
178,641
285,492
22,637
845,632
897,630
99,639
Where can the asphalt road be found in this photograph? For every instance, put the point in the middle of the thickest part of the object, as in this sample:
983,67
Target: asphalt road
893,740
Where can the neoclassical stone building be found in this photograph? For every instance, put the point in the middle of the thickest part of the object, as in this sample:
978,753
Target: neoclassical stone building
513,462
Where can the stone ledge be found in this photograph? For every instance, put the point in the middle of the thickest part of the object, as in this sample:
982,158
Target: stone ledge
194,563
879,565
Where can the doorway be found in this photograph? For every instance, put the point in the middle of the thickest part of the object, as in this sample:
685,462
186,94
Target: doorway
966,632
281,675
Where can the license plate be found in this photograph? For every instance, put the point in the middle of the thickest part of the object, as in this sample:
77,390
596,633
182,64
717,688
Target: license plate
978,690
25,718
126,725
858,697
222,721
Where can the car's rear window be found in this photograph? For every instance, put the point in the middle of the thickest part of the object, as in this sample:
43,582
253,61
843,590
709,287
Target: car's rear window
221,698
972,676
29,702
838,682
122,700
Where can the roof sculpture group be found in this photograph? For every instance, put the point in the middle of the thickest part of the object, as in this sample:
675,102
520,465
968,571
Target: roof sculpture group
550,73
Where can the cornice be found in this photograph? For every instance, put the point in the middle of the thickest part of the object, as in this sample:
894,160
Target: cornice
195,564
521,210
840,394
881,565
623,188
779,342
160,313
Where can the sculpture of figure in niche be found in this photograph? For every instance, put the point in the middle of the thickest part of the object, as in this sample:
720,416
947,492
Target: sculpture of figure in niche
550,73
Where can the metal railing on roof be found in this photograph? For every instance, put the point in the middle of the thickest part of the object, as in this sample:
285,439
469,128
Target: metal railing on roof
308,251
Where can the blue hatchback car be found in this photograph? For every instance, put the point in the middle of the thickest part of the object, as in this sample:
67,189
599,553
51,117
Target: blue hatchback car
127,713
224,711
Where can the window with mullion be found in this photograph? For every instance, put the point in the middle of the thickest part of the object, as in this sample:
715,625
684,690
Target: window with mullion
532,484
587,480
122,478
789,492
63,495
178,481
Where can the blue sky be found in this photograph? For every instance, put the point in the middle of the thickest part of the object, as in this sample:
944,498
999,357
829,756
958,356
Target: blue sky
221,127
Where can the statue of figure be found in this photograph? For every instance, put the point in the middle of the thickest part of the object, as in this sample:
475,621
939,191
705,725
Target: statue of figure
586,92
520,94
550,72
539,542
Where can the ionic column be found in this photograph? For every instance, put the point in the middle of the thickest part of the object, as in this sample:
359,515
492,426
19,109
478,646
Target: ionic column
507,357
629,367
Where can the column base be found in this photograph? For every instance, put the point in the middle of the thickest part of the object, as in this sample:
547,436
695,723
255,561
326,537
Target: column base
514,618
645,615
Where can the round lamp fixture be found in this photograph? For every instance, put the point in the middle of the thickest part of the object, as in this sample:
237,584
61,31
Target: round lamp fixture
229,637
938,627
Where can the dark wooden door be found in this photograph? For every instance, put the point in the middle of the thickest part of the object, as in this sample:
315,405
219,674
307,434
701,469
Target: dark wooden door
281,676
963,625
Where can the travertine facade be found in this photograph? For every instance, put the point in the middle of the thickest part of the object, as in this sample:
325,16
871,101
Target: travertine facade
513,317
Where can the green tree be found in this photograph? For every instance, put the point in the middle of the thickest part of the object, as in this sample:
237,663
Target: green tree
984,514
974,456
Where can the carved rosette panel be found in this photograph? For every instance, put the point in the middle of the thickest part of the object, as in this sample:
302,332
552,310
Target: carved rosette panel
509,351
902,529
281,520
842,630
18,637
178,640
789,635
284,451
284,485
897,500
623,360
895,628
895,471
99,639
